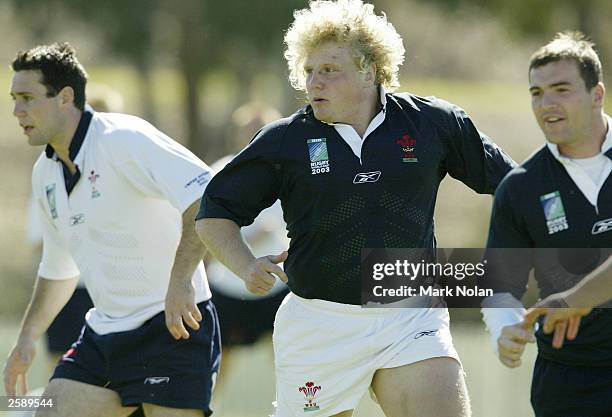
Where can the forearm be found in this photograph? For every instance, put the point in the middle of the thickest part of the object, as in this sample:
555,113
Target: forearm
223,239
594,289
190,250
499,311
48,299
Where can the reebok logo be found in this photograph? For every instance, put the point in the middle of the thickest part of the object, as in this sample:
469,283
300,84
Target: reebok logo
152,380
363,177
602,226
77,219
425,333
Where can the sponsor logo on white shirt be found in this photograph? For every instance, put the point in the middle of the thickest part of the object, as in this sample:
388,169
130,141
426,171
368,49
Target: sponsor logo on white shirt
77,219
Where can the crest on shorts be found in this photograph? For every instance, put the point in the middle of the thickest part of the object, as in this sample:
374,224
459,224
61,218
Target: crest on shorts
319,158
310,391
556,221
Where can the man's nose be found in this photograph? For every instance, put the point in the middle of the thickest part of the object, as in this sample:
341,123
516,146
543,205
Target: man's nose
548,100
18,109
314,81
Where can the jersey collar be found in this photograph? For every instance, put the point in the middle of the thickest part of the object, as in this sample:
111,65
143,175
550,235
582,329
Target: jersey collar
77,139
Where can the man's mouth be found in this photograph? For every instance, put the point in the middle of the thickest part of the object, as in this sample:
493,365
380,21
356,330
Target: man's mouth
27,129
553,119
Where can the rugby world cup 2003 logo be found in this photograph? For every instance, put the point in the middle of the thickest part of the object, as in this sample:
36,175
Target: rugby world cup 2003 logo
310,391
556,221
319,158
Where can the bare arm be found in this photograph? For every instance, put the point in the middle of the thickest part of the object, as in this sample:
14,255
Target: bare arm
48,298
591,291
225,242
180,298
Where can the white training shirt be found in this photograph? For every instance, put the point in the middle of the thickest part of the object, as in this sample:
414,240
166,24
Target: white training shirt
121,225
267,235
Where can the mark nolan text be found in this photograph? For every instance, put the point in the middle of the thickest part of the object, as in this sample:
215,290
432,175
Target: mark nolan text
458,291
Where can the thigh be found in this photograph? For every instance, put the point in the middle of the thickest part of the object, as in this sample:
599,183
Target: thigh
77,399
430,388
322,361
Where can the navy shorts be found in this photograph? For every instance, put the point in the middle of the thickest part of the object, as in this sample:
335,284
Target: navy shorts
559,390
146,365
66,327
243,322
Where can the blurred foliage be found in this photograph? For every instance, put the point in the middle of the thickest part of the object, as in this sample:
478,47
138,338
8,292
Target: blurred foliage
542,18
208,35
186,65
244,38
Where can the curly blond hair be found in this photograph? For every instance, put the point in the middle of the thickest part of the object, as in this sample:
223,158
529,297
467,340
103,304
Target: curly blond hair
372,38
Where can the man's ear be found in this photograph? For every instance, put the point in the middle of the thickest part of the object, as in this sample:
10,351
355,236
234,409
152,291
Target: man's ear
599,92
371,73
66,95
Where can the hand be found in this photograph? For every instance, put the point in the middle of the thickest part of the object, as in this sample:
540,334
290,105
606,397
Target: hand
565,322
17,365
512,341
260,274
181,309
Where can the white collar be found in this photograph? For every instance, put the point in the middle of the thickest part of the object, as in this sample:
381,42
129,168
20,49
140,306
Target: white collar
350,135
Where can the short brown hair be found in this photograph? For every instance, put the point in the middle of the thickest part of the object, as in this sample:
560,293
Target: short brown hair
571,45
59,67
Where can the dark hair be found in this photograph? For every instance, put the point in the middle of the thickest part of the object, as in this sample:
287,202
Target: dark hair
571,46
59,67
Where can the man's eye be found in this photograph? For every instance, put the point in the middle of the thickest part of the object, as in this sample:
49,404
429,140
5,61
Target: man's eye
535,94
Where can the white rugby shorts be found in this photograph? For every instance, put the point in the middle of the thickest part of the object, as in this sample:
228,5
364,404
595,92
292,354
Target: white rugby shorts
326,353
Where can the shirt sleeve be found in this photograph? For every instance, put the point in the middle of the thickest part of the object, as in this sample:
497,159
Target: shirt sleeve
247,185
509,253
160,167
472,157
56,262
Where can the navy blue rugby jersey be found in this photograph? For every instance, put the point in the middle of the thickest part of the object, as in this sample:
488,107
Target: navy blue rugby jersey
335,203
539,206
